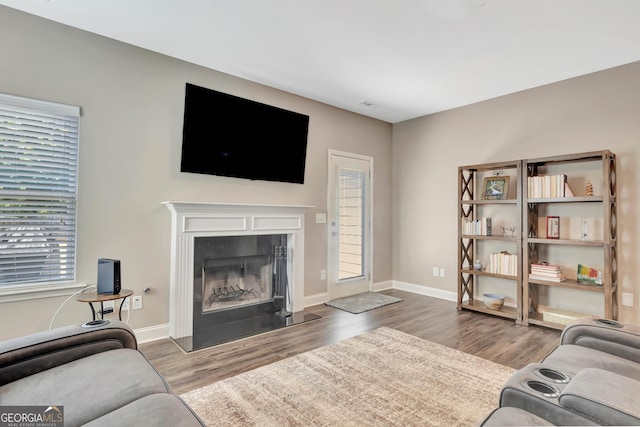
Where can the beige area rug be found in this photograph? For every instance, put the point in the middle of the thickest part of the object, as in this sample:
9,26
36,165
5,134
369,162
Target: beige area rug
384,377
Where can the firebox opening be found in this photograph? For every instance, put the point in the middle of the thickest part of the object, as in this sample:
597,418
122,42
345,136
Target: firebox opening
230,282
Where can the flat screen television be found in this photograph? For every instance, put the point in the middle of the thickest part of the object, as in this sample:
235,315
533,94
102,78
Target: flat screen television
235,137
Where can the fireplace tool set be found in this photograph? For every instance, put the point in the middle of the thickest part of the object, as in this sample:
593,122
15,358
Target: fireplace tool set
280,285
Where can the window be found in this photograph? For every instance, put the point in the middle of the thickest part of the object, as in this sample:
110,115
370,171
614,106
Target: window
38,187
351,205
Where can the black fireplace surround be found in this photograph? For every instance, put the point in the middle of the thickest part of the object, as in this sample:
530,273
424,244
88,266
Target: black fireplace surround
240,289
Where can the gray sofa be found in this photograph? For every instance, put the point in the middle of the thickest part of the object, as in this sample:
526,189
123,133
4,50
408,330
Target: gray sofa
591,378
95,372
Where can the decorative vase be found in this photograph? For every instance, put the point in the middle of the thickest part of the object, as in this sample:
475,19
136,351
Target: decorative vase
477,265
583,229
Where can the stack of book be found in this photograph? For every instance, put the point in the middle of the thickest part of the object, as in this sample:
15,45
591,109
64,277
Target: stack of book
503,263
479,227
545,271
546,186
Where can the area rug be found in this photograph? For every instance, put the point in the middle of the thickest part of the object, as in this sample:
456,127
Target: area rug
363,302
384,377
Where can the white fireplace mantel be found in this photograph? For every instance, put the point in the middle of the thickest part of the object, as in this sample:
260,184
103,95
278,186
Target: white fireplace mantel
201,219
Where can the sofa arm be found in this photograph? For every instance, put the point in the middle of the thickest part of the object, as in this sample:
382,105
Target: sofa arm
604,397
31,354
608,336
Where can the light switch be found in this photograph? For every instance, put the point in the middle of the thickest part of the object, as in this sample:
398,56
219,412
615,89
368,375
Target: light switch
321,218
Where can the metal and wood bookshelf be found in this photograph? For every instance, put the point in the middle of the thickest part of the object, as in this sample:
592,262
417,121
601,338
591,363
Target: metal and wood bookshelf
535,242
530,241
470,204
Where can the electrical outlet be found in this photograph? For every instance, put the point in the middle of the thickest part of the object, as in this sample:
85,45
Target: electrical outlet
435,271
323,274
125,304
442,272
137,302
627,299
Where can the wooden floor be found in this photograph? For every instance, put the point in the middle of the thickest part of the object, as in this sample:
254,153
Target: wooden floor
486,336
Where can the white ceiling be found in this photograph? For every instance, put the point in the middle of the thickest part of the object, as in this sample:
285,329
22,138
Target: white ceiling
408,57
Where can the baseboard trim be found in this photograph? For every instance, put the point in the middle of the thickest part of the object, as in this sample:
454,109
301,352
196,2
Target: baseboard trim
316,299
158,332
382,286
152,333
425,290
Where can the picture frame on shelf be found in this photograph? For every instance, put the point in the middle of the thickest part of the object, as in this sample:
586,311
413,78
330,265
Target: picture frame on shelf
553,227
495,187
589,275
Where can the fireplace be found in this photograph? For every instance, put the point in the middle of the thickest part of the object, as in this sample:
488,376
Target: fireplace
236,270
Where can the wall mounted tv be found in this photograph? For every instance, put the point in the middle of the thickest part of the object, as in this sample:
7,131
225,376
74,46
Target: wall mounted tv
230,136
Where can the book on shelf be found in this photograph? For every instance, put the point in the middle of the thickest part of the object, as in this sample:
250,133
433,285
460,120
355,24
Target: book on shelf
545,266
547,186
478,227
546,271
561,278
503,263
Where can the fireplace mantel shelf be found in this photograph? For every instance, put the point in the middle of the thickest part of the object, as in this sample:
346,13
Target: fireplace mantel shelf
209,206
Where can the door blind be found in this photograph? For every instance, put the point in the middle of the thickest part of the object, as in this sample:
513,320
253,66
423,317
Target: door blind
38,187
351,205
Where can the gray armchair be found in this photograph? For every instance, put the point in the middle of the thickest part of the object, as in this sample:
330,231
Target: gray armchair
95,372
591,378
597,343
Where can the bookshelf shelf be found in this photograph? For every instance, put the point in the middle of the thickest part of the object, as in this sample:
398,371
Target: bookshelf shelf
590,199
505,311
573,242
480,237
569,284
484,273
489,202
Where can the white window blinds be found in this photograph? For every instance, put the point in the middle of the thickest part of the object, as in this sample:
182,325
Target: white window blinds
38,186
351,199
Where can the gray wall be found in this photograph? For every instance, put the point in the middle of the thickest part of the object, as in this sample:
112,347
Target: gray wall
589,113
131,129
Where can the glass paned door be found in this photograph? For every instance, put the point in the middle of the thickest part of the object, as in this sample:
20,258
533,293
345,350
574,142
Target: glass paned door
349,224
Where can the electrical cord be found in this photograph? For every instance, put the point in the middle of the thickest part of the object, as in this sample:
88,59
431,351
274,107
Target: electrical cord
65,301
129,311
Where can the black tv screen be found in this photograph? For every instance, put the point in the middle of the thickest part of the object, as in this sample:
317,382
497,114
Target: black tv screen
231,136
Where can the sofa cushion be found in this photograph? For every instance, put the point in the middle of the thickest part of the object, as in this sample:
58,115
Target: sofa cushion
602,396
154,410
573,358
513,417
89,387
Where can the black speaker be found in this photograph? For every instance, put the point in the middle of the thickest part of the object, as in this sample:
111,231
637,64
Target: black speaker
108,276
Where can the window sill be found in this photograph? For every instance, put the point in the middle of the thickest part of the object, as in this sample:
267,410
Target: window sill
24,293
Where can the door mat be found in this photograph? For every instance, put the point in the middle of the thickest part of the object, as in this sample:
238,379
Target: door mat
363,302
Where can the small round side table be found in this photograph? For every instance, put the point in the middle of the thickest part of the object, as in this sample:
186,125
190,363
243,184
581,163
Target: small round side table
94,296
